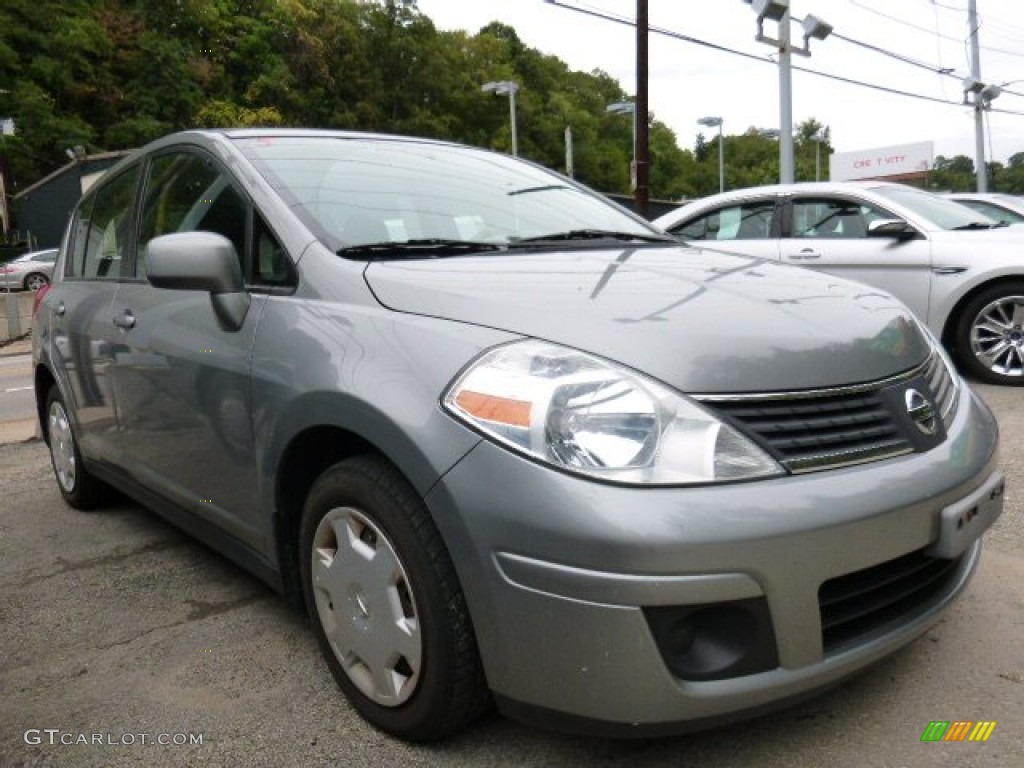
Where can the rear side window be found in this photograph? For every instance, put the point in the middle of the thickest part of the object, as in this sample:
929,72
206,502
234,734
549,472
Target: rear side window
186,192
744,221
102,229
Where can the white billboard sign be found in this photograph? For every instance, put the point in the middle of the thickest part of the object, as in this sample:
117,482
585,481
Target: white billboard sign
882,161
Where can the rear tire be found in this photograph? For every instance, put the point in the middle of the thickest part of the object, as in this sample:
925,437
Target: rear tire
990,335
386,605
77,485
35,281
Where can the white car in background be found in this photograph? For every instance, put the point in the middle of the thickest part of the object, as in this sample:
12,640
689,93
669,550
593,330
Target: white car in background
995,205
29,272
961,272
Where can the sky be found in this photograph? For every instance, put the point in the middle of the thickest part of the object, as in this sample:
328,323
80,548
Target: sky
688,81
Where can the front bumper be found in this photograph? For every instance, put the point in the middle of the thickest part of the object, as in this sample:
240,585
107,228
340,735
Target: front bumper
562,574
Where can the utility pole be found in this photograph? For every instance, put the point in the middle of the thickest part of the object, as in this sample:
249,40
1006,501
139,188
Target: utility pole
640,114
980,168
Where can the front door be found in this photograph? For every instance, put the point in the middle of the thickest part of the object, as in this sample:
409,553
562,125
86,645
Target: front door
182,379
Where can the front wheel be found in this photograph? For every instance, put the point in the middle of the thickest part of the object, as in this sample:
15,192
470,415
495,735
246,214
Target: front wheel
990,335
385,603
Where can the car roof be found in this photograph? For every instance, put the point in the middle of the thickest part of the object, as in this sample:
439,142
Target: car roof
803,188
32,255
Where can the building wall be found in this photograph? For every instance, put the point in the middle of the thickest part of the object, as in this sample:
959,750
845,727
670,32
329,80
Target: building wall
42,210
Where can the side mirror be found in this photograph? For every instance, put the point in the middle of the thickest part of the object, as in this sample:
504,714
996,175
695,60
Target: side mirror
897,228
200,261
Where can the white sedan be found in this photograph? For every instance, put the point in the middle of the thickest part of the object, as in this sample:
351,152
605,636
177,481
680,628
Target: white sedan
961,272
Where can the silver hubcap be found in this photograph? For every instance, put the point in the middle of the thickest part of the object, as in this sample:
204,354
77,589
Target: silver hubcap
62,447
997,336
35,282
366,606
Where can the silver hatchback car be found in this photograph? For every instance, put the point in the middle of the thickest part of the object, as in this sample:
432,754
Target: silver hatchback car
503,441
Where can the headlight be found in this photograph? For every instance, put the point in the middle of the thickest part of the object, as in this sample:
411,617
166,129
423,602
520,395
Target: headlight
585,415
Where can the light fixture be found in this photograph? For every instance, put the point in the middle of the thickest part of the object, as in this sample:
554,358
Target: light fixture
816,28
972,85
770,9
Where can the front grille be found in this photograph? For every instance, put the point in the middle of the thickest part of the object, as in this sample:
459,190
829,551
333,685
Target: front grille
819,432
813,430
871,600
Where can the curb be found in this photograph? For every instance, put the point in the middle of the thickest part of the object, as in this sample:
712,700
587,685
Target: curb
19,346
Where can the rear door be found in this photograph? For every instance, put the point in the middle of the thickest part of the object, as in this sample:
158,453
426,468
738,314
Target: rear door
747,226
830,233
82,335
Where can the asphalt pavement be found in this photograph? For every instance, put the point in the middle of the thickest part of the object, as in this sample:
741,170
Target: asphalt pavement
118,632
17,400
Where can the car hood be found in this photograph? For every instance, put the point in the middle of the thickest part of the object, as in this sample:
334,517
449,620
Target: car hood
1011,236
699,321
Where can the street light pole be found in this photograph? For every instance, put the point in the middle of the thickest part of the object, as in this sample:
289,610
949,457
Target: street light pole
778,10
507,88
786,174
817,138
627,108
711,122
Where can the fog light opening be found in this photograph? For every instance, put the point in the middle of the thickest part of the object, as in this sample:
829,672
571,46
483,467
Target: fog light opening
715,641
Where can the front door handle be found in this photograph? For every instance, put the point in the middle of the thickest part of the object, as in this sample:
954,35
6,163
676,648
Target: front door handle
805,254
60,309
125,320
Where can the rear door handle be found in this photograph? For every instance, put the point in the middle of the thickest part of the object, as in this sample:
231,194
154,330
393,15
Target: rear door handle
125,320
60,309
804,255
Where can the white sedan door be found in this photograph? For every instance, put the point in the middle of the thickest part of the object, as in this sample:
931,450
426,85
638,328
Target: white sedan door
831,234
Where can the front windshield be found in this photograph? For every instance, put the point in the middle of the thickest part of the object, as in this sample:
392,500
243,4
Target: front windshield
354,191
940,211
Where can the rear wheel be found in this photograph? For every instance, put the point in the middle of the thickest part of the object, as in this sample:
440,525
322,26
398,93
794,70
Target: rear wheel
77,485
35,281
385,603
990,335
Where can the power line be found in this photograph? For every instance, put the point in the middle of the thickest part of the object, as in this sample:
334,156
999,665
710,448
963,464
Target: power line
939,70
626,21
930,32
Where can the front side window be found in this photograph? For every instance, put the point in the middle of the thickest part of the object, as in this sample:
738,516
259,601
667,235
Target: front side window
186,192
832,218
742,221
102,228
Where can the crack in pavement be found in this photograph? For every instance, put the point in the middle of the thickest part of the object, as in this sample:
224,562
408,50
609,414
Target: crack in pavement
69,566
200,610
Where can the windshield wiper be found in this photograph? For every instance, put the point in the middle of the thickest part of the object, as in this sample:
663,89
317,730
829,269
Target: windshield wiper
976,225
427,246
594,234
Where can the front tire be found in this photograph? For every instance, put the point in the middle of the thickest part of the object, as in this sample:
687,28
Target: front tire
36,281
386,605
990,335
77,485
